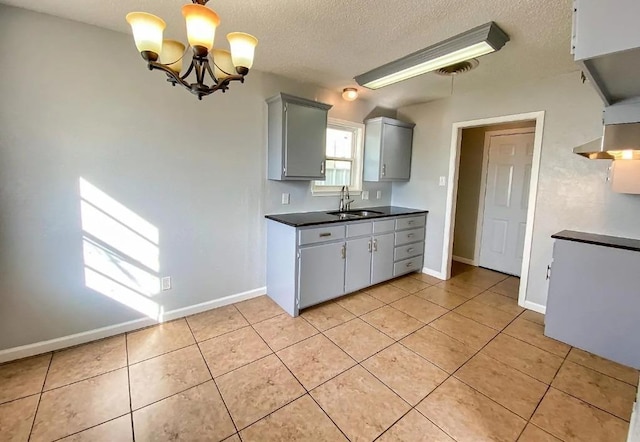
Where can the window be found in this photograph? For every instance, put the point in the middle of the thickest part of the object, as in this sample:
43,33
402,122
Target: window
343,166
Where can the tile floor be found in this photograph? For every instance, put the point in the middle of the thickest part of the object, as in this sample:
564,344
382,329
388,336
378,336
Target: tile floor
415,359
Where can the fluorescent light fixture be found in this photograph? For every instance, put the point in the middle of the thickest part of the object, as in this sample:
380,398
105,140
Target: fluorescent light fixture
470,44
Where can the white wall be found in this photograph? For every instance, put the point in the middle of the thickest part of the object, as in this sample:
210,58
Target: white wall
78,101
572,192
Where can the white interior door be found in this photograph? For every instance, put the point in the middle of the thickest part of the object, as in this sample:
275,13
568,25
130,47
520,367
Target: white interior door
506,201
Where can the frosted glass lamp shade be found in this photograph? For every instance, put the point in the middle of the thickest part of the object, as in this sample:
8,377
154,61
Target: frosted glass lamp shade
223,66
147,31
242,49
171,55
201,25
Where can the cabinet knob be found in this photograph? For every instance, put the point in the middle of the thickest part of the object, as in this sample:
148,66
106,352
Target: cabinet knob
384,169
322,168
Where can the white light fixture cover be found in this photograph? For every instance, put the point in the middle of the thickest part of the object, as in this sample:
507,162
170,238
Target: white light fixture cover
470,44
350,93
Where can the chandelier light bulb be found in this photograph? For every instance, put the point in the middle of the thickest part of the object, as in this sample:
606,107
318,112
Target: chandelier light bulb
350,94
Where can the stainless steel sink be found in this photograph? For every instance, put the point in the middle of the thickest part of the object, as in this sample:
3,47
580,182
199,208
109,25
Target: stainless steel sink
349,214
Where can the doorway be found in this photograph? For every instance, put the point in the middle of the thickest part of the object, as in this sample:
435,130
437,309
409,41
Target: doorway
493,179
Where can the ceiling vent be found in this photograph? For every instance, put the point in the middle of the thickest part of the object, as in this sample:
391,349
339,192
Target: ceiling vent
458,68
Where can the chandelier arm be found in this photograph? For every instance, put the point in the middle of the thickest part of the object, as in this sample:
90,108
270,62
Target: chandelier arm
188,71
166,70
213,77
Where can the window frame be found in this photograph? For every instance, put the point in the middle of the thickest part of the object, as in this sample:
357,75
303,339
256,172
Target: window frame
357,160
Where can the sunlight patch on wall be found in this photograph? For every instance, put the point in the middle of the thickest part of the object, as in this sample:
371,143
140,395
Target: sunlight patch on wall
120,251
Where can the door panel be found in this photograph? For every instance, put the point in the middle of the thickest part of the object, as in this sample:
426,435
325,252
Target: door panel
305,141
358,266
396,152
382,258
321,273
506,201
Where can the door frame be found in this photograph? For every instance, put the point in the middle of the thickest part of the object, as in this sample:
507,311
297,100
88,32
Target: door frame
483,181
452,193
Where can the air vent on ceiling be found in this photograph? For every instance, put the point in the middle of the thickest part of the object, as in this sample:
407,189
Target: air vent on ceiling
458,68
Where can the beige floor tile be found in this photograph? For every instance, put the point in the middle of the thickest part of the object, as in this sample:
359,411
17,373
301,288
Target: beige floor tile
482,313
507,386
571,419
610,368
82,405
419,308
406,373
409,284
326,316
360,404
216,322
392,322
162,376
23,378
159,339
509,287
597,389
283,331
301,420
258,309
359,303
315,360
465,330
535,362
532,316
233,350
425,278
358,339
500,302
234,438
442,297
532,433
386,293
85,361
438,348
460,288
467,415
414,427
255,390
16,418
197,414
533,334
476,280
116,430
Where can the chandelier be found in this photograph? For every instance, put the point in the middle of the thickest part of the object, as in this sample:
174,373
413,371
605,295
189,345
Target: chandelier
220,66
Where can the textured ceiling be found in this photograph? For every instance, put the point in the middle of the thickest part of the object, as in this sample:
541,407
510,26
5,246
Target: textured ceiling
328,42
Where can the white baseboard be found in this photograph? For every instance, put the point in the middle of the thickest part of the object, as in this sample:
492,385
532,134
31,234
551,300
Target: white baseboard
535,307
467,261
433,273
37,348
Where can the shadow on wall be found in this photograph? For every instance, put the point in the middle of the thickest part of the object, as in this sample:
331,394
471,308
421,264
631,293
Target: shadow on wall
121,252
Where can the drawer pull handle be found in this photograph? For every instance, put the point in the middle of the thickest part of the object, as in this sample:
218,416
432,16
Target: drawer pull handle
410,235
410,222
343,252
375,245
410,249
409,264
369,246
324,235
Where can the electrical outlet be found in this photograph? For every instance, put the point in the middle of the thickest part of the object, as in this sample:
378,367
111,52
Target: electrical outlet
365,194
286,198
443,181
165,283
379,194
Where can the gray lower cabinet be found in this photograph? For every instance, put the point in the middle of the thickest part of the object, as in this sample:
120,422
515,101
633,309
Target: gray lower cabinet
310,265
321,274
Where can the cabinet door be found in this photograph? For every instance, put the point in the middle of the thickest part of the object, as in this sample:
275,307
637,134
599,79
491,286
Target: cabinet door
321,273
305,141
358,269
395,161
382,258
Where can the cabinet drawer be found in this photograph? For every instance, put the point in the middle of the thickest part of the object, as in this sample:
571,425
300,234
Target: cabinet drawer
407,266
359,229
321,234
408,251
410,222
409,236
387,225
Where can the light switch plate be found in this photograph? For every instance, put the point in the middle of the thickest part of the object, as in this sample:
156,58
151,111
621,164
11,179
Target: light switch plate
286,198
379,194
443,181
365,194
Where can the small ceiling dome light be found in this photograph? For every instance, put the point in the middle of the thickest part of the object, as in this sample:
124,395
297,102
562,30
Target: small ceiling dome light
350,93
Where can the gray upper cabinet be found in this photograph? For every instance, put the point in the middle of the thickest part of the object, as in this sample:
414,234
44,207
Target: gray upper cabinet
297,138
387,150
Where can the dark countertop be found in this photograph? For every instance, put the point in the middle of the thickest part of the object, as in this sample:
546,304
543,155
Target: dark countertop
599,240
304,219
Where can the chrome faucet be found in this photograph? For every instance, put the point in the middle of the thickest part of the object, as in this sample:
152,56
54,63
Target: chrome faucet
345,202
